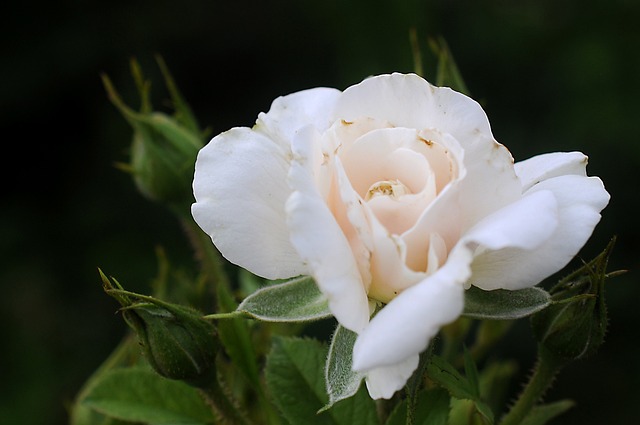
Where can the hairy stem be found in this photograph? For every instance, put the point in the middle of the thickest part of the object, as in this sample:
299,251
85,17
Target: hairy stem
546,369
224,410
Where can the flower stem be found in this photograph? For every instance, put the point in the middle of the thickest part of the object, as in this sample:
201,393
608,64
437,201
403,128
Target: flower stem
224,410
210,259
543,375
218,316
414,384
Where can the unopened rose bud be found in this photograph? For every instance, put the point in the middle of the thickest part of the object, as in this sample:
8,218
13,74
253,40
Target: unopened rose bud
176,341
574,325
163,155
164,147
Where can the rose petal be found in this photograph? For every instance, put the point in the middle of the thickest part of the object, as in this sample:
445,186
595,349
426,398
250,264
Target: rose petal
240,190
525,224
407,100
544,167
348,209
383,382
320,241
389,270
387,154
290,113
580,200
490,182
404,327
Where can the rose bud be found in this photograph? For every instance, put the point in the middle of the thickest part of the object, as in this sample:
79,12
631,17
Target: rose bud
574,325
164,147
176,341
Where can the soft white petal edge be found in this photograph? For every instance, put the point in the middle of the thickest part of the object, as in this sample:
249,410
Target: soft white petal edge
404,327
320,241
240,190
525,224
383,382
407,100
292,112
549,165
580,200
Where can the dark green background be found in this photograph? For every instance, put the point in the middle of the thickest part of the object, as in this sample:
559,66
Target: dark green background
553,76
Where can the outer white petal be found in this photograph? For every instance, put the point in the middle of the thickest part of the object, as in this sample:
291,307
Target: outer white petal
404,327
383,382
525,224
240,190
490,182
580,200
290,113
546,166
320,241
407,100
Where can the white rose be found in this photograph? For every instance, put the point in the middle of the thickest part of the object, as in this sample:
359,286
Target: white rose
392,193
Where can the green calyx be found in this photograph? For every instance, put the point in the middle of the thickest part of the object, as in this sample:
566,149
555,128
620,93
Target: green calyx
575,323
164,147
176,341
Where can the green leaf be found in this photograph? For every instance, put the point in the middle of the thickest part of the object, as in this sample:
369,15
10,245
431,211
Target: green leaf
443,373
296,300
295,377
432,408
542,414
485,411
138,394
126,354
341,381
502,304
471,372
84,415
357,410
459,386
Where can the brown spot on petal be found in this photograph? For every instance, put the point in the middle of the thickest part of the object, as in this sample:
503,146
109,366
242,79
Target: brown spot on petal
426,141
345,122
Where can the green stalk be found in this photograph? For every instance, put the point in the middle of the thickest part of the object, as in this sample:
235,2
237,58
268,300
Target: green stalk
210,259
546,369
223,408
415,383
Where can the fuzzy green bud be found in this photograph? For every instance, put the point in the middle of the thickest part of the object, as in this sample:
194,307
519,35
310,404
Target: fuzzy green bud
164,147
575,323
163,156
176,341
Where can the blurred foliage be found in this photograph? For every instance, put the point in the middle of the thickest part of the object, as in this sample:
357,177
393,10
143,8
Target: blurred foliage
551,77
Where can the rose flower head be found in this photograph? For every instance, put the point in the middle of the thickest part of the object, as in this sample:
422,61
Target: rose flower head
395,197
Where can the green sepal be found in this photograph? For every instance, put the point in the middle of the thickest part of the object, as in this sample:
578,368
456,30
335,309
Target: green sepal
341,381
296,300
503,304
448,73
575,324
164,147
176,341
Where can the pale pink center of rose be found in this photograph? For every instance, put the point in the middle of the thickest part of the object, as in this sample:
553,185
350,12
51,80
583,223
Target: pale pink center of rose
397,173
